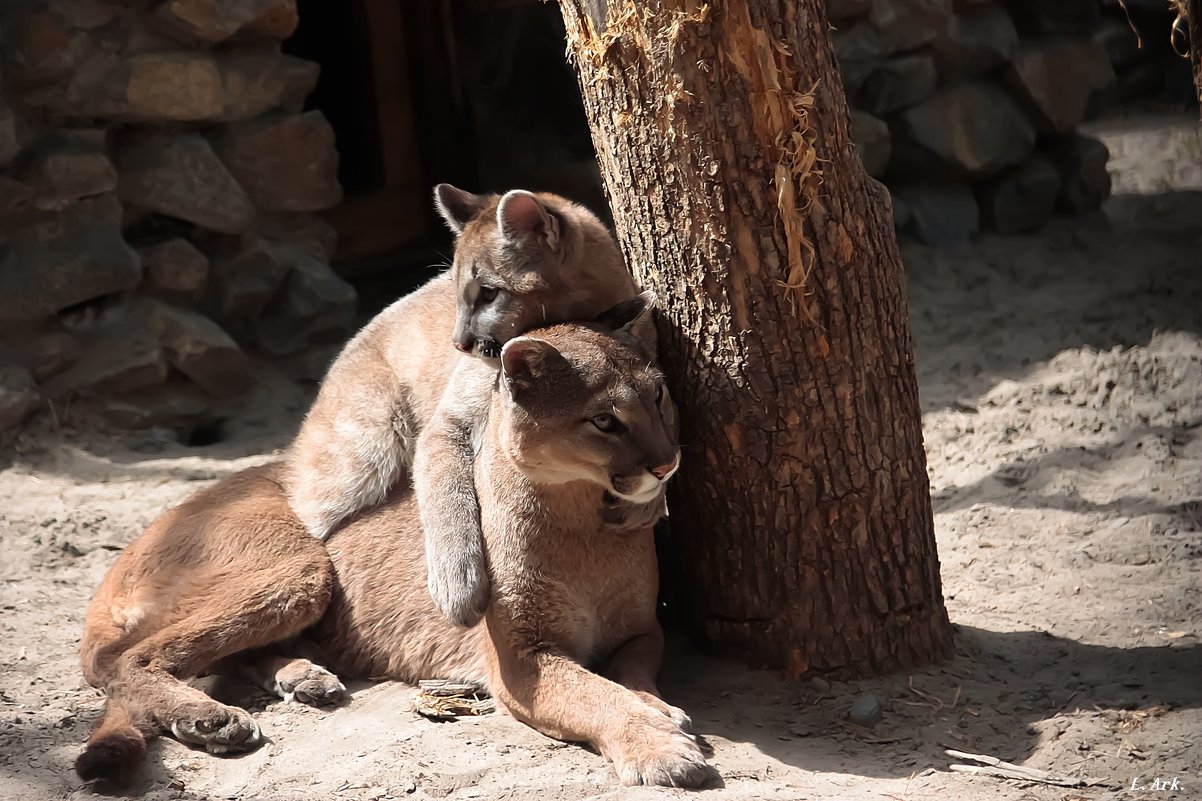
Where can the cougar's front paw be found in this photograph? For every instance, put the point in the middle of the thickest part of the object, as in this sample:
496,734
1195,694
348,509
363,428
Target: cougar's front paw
306,683
460,591
219,728
654,750
674,713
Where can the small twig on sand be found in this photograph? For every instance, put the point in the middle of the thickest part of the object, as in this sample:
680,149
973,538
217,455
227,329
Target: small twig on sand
934,701
992,766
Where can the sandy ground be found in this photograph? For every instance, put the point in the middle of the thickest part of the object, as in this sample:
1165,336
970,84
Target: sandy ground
1061,379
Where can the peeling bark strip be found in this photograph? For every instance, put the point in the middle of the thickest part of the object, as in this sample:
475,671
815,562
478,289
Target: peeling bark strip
802,518
1193,14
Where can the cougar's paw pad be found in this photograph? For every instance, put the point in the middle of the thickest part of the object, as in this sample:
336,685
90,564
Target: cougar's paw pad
219,728
310,684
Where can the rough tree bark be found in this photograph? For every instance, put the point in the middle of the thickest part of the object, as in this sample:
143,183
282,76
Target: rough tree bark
801,520
1193,18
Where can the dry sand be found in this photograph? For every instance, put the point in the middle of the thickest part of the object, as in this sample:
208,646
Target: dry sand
1061,379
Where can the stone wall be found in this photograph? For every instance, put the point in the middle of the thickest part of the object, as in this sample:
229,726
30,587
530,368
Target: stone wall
158,184
159,178
968,110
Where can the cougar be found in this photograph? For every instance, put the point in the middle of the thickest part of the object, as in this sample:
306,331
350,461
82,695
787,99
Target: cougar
232,578
521,260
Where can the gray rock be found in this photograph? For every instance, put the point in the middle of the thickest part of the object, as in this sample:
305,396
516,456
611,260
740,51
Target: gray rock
88,15
941,215
55,261
14,194
37,46
10,142
1120,43
1084,179
1019,200
69,165
1135,83
19,396
159,86
212,21
900,82
120,359
315,304
871,137
52,353
1055,78
285,163
858,50
967,129
311,363
846,9
175,266
307,230
976,40
180,176
170,406
1058,16
261,80
278,20
198,348
908,24
865,711
245,278
186,86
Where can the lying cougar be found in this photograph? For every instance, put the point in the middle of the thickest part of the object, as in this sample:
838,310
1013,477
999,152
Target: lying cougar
521,260
577,412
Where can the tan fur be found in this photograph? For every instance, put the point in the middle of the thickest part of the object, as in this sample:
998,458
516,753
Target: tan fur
233,569
201,584
554,261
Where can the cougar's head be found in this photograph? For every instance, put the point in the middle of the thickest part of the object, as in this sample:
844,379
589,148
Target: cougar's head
583,402
524,260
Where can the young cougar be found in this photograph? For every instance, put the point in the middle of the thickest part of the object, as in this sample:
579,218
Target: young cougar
521,260
576,412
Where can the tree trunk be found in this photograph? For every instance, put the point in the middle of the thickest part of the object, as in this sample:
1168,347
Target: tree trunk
1193,14
801,519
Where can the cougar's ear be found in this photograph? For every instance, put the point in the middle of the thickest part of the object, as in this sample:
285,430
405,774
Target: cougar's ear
635,318
524,360
457,207
523,219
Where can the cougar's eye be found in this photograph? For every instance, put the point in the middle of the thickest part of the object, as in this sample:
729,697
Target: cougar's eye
487,294
606,423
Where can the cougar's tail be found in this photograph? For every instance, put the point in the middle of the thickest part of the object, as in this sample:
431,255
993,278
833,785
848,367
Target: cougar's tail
116,748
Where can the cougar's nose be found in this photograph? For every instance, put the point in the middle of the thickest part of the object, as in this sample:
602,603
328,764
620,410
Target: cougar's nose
463,341
668,468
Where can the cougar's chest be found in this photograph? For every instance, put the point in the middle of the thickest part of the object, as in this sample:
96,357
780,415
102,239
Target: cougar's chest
606,595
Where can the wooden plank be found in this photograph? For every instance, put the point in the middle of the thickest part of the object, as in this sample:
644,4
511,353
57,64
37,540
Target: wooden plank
376,223
394,103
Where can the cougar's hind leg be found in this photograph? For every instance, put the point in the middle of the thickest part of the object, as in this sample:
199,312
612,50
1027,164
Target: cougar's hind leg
234,613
